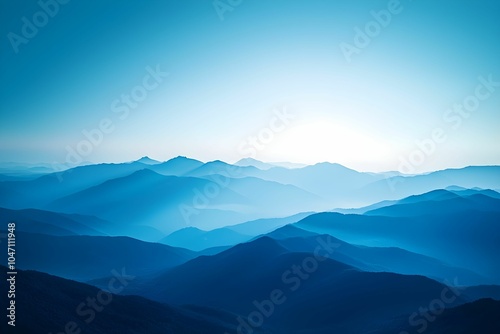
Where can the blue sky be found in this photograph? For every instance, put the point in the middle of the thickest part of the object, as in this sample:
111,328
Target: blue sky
228,78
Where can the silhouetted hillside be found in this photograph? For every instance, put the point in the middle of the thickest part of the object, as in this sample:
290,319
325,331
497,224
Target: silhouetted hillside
86,258
441,236
46,304
331,296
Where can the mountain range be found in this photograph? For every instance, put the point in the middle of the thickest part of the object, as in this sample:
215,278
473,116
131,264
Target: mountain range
254,247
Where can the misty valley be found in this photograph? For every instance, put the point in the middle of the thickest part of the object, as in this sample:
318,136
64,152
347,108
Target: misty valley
183,246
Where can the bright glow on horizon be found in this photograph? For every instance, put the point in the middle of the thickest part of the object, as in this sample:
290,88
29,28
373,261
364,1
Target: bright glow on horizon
226,77
326,141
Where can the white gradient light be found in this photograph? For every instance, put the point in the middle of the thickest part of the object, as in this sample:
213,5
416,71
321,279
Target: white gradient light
317,141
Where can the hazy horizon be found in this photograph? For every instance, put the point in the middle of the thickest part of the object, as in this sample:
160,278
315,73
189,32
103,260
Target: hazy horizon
290,88
57,166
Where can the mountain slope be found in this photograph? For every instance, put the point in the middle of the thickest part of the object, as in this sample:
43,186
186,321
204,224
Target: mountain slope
480,316
169,203
266,225
39,192
487,197
47,304
197,240
144,198
177,166
245,162
85,258
148,161
328,296
46,222
486,177
375,259
450,204
439,236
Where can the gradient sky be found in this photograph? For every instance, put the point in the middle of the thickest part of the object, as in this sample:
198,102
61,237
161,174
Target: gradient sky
228,77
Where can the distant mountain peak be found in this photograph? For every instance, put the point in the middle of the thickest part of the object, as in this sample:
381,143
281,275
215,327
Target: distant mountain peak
215,162
181,158
148,161
190,230
264,244
249,160
245,162
331,166
142,173
455,188
290,231
327,163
